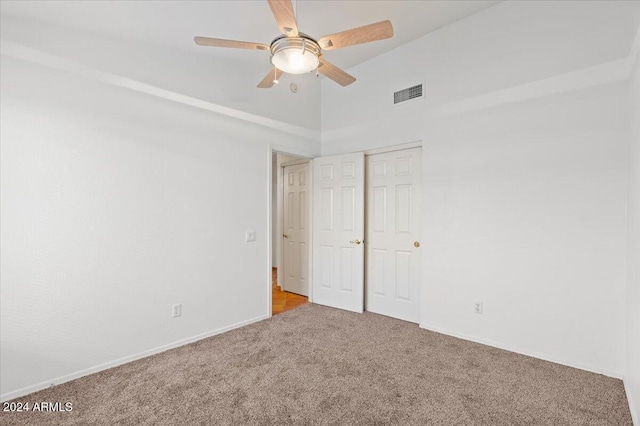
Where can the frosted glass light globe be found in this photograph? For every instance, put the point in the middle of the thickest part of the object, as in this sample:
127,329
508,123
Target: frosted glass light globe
294,60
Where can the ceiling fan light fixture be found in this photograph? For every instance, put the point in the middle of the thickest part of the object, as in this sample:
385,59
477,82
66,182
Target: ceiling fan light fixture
295,55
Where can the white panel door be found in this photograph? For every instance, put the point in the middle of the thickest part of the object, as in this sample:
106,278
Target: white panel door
338,231
393,204
295,236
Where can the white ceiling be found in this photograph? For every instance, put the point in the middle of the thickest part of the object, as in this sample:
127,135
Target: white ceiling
173,24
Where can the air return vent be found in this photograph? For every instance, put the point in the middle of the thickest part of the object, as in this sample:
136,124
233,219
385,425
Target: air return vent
413,92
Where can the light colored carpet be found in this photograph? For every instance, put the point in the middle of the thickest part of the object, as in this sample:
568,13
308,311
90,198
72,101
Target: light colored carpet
317,365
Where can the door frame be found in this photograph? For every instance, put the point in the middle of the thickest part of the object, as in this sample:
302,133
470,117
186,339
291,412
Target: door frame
305,156
391,148
279,149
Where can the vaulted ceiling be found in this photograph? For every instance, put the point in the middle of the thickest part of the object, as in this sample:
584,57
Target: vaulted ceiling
173,24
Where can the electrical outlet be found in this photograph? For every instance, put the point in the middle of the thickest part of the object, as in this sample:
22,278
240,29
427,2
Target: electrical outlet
176,310
250,236
477,308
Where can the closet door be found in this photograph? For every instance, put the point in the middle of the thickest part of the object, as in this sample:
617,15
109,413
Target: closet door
338,231
393,203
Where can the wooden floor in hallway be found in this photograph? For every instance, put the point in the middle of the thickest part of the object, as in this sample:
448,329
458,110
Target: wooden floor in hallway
282,301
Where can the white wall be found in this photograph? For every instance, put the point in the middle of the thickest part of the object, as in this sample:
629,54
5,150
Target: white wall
116,205
632,373
525,212
524,149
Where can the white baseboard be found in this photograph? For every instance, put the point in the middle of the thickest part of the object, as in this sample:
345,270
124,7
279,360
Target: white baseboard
539,355
76,375
631,401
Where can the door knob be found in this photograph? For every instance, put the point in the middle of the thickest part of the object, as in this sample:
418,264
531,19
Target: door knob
285,235
416,244
355,242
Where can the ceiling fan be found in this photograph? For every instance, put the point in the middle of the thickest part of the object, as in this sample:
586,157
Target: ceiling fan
297,53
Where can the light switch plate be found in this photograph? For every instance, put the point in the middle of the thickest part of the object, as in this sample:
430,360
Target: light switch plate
250,236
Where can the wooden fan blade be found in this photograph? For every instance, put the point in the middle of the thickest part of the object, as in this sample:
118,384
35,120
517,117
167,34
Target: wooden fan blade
283,12
335,73
267,81
218,42
371,32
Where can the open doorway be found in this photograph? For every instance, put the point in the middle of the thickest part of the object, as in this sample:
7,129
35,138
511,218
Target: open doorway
291,232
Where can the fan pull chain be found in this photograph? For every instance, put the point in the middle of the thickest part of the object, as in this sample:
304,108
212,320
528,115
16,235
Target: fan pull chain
275,75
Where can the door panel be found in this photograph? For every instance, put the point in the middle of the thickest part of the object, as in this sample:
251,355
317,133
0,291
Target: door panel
338,229
296,230
393,206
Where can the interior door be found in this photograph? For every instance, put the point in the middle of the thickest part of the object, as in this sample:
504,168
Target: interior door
393,234
296,229
338,231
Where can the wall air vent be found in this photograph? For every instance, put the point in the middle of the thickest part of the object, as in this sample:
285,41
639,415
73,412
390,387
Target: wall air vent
413,92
